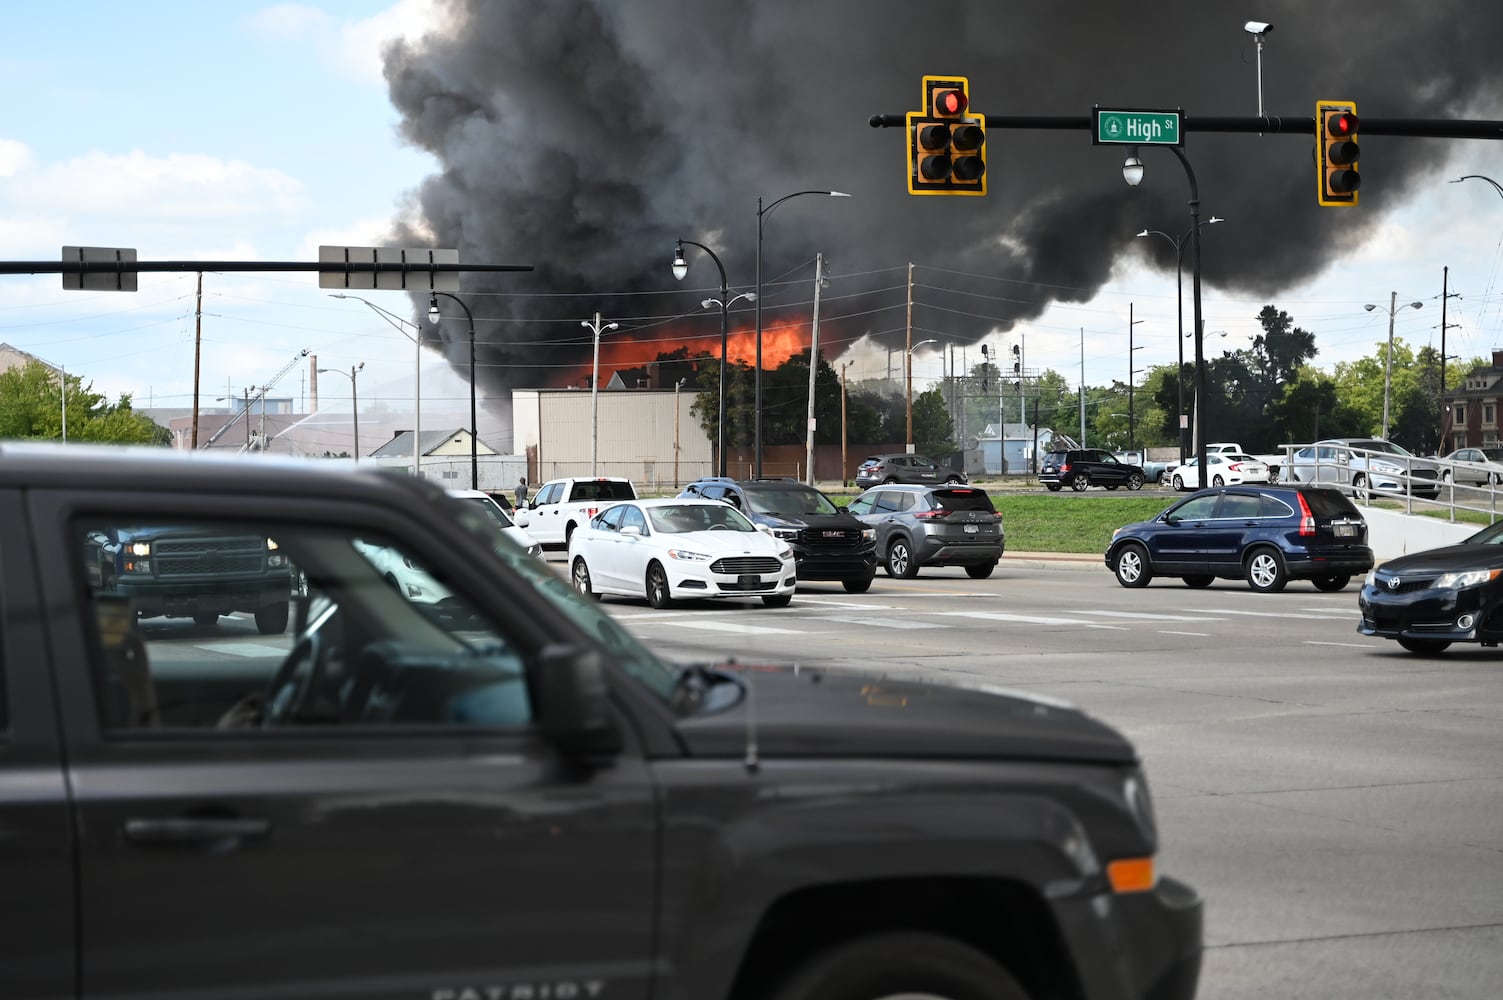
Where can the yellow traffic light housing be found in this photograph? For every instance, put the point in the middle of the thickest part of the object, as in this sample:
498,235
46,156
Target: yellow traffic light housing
1336,152
946,142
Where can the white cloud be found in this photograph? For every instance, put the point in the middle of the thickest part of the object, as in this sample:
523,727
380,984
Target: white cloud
352,47
14,157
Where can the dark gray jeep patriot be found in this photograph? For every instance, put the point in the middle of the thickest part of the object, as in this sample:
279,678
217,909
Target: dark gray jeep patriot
453,778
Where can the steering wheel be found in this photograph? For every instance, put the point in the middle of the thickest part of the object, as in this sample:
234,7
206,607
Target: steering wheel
720,527
287,691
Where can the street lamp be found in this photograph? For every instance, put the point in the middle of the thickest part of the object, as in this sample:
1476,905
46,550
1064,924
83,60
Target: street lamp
757,392
680,269
433,317
1132,172
354,398
595,328
417,372
1179,305
908,392
1393,308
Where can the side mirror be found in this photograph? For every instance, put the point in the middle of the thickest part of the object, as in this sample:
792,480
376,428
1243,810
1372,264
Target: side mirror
631,529
574,704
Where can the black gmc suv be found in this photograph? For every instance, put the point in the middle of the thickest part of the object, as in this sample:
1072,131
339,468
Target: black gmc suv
827,543
520,800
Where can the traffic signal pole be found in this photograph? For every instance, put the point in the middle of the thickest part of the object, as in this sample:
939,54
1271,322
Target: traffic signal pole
1424,128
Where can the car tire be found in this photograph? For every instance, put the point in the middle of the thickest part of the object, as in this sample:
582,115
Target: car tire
579,575
900,559
658,593
857,586
205,617
981,571
1359,487
568,534
904,963
272,620
1080,482
1178,484
1199,580
1052,488
889,480
1424,647
1445,478
1131,567
1217,481
1331,584
1134,481
954,481
1264,570
1492,479
777,600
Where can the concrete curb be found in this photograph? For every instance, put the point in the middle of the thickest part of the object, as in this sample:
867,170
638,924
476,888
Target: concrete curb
1055,560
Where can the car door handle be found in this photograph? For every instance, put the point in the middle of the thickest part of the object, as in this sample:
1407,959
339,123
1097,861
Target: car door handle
184,831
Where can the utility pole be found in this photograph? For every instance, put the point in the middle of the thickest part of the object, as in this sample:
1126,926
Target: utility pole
819,281
1445,293
908,363
843,466
198,318
1130,324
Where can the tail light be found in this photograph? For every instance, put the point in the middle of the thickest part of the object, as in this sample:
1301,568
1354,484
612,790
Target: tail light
1306,519
930,515
591,511
1064,467
1235,467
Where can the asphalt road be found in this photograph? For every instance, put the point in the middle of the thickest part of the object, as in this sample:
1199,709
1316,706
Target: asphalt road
1338,802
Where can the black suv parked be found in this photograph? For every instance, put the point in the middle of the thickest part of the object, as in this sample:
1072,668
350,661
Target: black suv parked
932,526
827,543
1267,535
1083,468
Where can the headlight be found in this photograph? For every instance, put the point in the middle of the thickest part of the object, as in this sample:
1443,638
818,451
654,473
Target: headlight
869,534
139,549
535,550
1135,791
687,555
1471,578
1388,467
785,554
1371,578
787,534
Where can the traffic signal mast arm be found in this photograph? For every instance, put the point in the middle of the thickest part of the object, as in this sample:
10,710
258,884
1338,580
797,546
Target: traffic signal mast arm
1428,128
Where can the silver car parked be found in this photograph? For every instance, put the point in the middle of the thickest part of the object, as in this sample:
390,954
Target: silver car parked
932,526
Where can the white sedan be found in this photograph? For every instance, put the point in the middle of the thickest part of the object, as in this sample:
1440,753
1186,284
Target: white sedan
670,550
508,527
1226,470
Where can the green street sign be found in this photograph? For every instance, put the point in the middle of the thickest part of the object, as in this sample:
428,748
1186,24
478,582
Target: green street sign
1143,128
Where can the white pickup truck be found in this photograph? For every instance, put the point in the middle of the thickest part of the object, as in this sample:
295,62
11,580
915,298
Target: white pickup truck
561,505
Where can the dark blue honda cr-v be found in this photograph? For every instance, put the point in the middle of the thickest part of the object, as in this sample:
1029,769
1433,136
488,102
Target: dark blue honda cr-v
1264,534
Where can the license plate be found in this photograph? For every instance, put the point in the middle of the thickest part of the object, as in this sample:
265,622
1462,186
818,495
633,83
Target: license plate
971,529
749,578
1345,530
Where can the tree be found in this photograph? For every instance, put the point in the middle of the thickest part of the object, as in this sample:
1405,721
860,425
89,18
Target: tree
32,406
933,431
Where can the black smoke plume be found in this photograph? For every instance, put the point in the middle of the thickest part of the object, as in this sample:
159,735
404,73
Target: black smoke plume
585,137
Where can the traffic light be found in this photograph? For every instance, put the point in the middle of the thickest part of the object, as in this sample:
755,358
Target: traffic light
946,142
1336,152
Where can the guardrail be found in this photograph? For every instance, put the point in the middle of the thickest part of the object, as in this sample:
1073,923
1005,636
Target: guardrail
1339,465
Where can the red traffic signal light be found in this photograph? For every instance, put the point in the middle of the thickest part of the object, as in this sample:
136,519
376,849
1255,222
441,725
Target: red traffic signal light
1336,152
950,103
946,144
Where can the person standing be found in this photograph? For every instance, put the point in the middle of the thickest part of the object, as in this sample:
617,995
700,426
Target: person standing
522,492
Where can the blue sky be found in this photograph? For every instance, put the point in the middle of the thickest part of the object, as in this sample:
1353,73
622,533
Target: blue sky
237,130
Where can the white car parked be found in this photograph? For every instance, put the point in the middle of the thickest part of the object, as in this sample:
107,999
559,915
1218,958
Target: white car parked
1226,470
671,549
493,510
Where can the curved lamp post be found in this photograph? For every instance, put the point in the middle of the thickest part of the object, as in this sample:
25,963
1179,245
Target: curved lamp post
908,390
1179,304
433,317
1132,172
417,372
757,392
354,398
680,269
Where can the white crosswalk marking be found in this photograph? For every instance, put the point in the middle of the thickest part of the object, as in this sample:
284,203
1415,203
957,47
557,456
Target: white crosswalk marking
241,648
737,628
1148,616
879,622
997,616
1266,614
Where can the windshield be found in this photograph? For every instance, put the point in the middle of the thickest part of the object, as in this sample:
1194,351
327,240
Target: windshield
1388,447
788,501
493,511
681,518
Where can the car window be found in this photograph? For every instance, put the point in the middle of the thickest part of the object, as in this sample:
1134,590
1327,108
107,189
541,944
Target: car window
492,510
1196,508
191,632
548,494
962,499
1329,503
609,519
887,502
1239,506
632,517
862,504
788,501
1275,507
